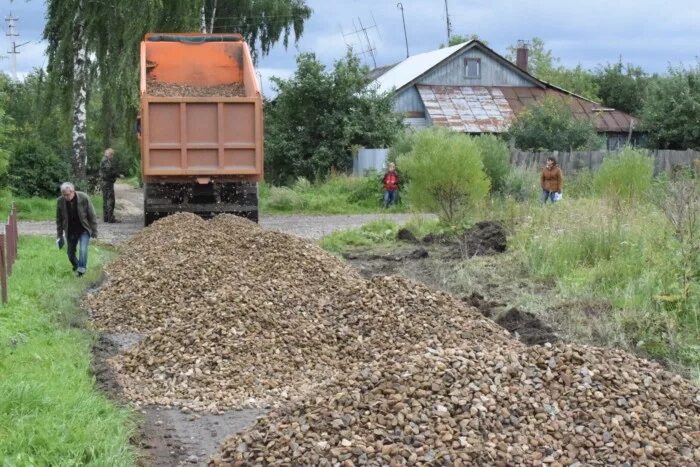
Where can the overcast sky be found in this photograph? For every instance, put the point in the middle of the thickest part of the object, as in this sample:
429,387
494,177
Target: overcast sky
650,33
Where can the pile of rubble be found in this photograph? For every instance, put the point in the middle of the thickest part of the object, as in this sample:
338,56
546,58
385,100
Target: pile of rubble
157,88
368,372
485,404
237,316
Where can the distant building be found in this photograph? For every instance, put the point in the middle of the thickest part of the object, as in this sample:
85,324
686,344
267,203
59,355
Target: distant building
470,88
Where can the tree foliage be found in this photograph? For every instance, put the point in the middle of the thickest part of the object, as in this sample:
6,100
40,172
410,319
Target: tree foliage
671,112
110,33
446,173
319,116
622,87
550,125
543,65
460,39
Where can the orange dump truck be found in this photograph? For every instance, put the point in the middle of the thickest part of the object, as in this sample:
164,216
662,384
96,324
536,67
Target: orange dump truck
201,126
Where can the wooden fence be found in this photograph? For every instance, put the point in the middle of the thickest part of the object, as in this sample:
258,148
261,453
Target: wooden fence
8,250
664,160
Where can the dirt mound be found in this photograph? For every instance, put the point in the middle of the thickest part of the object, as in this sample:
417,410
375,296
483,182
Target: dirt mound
486,307
485,405
406,236
527,327
484,238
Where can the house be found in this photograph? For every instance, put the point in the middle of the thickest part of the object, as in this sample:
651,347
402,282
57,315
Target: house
470,88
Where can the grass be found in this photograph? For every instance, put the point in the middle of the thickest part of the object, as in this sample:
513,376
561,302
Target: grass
339,194
375,233
37,209
51,413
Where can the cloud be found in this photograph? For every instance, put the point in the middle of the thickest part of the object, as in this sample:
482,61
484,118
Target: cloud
652,33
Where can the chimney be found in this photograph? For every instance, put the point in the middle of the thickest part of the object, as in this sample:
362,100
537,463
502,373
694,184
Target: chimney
521,55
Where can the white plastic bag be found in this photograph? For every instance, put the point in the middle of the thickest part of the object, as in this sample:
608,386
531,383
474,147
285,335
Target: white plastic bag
557,196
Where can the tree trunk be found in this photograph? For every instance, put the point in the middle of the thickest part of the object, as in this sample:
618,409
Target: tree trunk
203,18
213,16
80,77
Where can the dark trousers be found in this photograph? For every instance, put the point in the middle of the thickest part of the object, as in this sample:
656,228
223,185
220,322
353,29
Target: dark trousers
108,201
390,197
79,262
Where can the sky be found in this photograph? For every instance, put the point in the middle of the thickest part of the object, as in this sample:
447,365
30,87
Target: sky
650,33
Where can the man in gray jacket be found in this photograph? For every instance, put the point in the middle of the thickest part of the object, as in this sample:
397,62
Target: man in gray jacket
75,216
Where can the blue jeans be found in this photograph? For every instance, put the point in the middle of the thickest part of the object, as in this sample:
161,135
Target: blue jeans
548,195
79,263
390,197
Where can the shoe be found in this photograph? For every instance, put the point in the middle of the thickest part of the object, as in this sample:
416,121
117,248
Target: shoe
79,274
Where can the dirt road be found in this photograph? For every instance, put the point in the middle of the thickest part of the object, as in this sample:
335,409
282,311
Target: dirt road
129,210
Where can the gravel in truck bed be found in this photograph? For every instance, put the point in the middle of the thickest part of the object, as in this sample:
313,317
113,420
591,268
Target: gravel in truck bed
369,372
161,89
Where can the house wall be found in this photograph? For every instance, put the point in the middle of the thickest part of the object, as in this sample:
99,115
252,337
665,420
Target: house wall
408,100
493,73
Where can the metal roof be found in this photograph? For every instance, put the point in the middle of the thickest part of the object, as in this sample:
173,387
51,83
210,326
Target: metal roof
414,66
490,109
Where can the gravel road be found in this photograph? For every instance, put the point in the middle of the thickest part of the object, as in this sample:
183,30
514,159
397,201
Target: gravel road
130,211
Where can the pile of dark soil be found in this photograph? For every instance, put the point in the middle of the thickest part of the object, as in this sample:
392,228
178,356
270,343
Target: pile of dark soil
485,238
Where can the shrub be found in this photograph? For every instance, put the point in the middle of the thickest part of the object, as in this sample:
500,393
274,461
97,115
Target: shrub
521,184
35,170
302,185
284,198
550,125
368,191
403,145
625,177
446,173
496,158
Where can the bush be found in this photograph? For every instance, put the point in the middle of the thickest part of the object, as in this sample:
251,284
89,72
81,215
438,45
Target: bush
521,184
550,125
368,191
625,177
35,170
446,173
284,198
403,145
496,158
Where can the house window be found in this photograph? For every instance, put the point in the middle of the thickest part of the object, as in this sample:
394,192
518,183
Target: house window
472,67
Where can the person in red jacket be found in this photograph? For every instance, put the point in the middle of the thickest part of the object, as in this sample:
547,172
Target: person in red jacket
391,185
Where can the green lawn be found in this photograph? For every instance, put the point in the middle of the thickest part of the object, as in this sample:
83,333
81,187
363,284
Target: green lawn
37,209
51,413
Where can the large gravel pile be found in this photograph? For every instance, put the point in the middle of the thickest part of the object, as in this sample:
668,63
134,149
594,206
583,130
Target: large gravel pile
369,372
486,404
238,316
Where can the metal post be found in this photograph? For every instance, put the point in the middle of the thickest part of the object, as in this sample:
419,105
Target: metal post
403,18
3,272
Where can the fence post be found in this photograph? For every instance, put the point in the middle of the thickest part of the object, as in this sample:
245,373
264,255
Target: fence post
15,230
8,246
3,272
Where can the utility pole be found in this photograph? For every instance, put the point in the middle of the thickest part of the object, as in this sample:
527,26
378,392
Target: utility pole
403,18
14,46
449,24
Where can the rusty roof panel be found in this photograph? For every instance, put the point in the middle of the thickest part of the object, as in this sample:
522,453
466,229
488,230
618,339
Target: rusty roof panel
480,109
